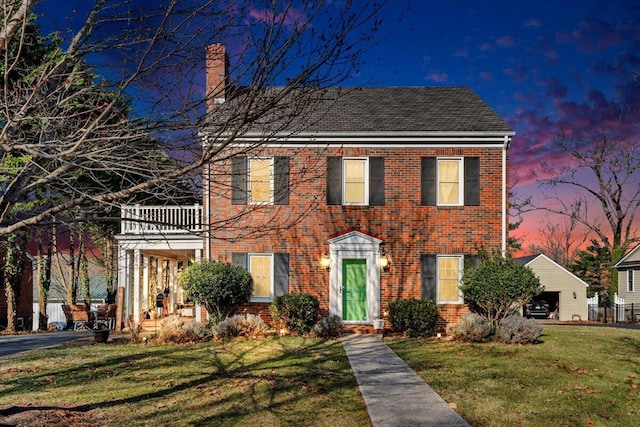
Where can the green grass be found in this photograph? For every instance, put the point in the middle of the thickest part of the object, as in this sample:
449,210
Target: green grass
269,382
577,376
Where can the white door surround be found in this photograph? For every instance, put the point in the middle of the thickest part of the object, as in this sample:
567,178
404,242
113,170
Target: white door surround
355,245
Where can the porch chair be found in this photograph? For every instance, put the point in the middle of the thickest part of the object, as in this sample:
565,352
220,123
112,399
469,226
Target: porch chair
79,316
107,315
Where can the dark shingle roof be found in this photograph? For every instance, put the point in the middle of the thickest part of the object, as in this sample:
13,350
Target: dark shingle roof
405,109
369,110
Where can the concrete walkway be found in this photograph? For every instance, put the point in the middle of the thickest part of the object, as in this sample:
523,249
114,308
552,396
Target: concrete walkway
394,394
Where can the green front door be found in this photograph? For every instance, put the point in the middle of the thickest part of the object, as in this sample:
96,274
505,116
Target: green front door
354,289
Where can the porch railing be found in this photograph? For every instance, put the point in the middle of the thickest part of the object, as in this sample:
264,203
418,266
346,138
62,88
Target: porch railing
139,219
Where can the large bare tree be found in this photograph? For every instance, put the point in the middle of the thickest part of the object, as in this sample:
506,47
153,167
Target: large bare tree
598,188
113,108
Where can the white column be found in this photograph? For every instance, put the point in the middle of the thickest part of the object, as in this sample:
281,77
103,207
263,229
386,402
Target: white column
145,283
124,277
136,285
198,257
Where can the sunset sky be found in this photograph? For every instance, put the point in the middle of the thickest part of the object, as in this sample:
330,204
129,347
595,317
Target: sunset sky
542,65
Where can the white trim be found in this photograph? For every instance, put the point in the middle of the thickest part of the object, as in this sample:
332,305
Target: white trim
355,245
623,259
460,258
461,178
366,180
505,213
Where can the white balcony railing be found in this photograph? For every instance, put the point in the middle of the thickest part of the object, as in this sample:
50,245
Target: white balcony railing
139,219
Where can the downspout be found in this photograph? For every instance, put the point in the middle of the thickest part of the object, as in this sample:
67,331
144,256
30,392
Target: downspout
206,223
505,196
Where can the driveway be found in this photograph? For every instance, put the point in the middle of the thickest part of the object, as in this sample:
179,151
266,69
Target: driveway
12,344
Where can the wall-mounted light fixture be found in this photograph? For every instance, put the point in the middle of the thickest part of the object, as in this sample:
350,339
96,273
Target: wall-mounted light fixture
325,262
575,296
383,260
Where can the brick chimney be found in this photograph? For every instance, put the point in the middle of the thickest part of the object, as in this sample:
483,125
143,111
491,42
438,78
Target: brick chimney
217,75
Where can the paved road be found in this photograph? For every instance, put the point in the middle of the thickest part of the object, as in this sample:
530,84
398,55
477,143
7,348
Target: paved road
12,344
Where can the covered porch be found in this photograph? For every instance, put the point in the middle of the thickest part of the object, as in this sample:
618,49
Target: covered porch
155,244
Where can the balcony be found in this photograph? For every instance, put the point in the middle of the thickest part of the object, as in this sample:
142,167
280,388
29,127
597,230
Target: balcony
138,219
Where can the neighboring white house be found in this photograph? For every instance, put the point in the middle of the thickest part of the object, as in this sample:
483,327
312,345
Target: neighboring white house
563,290
628,276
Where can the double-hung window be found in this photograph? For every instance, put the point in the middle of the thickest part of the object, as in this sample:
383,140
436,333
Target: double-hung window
260,180
356,178
450,181
269,271
630,280
355,181
450,184
449,275
261,270
441,276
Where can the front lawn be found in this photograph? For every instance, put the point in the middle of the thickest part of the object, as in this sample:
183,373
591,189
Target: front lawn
268,382
577,376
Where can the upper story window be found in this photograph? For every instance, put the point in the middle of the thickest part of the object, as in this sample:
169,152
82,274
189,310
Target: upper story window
447,181
355,181
450,187
259,180
630,280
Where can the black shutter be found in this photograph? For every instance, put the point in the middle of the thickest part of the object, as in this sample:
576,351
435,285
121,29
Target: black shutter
240,259
239,180
334,180
281,273
471,261
376,181
281,181
428,181
472,181
428,269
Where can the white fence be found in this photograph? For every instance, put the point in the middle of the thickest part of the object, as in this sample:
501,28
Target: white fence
138,219
592,307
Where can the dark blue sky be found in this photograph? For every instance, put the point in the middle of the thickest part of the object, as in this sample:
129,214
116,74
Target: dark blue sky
543,65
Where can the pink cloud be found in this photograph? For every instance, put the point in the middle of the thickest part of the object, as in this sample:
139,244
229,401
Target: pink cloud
486,76
533,23
462,53
506,41
437,76
290,19
486,47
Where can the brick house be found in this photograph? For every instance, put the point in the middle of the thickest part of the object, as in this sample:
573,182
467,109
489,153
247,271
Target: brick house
385,192
411,177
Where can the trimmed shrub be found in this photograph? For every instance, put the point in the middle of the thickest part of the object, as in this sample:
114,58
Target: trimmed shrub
219,286
240,325
174,330
471,328
329,327
519,330
498,287
413,317
296,311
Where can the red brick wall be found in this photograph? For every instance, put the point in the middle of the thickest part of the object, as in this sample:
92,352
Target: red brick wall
303,227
